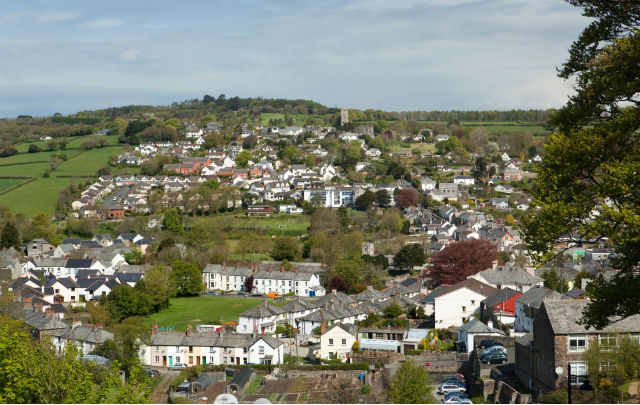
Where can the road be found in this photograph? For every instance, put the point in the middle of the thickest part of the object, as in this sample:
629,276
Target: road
159,394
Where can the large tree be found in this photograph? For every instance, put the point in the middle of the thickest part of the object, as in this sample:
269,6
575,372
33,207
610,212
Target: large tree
588,185
461,259
405,197
187,278
409,255
411,385
285,248
10,236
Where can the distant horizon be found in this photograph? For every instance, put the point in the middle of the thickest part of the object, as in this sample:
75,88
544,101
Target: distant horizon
263,97
419,55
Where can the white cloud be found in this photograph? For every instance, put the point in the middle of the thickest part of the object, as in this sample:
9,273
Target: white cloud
106,22
129,55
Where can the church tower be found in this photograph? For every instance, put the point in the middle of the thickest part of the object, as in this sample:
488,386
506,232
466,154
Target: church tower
344,116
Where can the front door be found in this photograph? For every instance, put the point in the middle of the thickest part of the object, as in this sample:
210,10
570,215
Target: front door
170,361
197,360
164,361
204,359
238,360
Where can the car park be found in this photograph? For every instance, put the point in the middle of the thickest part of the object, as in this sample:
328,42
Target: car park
495,358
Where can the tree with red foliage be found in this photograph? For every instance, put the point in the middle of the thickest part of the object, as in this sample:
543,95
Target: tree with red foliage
248,284
461,259
337,283
405,197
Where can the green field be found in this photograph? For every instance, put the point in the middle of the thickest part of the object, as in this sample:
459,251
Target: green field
201,310
41,195
6,183
298,119
277,223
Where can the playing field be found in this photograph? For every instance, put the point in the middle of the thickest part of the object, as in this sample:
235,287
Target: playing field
200,310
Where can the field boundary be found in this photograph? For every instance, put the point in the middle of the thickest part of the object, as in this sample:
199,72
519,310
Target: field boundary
22,183
22,163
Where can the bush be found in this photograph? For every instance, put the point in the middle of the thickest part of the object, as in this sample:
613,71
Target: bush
554,397
412,352
365,390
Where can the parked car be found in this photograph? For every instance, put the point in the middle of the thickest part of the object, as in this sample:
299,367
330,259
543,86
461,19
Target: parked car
495,358
273,294
446,388
178,366
456,395
256,295
493,349
151,372
211,293
485,343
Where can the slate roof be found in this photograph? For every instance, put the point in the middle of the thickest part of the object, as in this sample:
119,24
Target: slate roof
261,311
428,299
35,319
475,326
509,275
242,377
84,333
128,277
534,296
470,283
78,263
370,294
564,315
349,328
499,297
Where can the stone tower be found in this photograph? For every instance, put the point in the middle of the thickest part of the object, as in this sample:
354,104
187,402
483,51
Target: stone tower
344,116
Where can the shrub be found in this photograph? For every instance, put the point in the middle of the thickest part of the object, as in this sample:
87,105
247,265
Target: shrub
365,390
412,352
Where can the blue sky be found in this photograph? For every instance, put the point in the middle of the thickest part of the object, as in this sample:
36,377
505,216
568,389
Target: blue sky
68,56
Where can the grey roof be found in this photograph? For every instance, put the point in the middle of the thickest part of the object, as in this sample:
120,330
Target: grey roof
534,296
565,314
78,263
475,326
349,328
499,297
271,341
470,283
83,333
429,298
128,277
35,319
525,339
336,297
370,294
509,275
575,293
242,377
262,310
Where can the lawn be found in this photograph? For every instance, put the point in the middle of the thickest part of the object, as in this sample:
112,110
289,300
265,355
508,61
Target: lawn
278,223
6,183
201,310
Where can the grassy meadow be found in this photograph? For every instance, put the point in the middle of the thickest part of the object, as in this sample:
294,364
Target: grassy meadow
205,309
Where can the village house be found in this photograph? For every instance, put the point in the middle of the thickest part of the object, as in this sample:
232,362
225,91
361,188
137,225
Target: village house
453,305
516,278
337,342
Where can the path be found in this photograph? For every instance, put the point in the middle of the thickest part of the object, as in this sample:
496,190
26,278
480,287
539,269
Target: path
633,390
159,395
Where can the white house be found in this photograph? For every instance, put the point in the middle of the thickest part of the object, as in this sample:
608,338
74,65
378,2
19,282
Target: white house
474,327
455,304
266,350
516,278
464,180
528,304
225,278
85,338
337,341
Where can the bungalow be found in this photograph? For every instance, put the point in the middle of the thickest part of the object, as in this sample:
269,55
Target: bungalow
468,331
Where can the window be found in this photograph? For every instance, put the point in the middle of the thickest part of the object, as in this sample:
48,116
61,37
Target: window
260,349
157,359
344,342
190,359
177,348
608,342
177,359
211,359
577,343
190,349
330,355
578,373
211,349
464,309
244,350
473,302
330,342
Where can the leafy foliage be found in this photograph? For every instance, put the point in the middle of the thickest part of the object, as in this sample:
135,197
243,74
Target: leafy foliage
408,256
461,259
411,385
591,164
187,278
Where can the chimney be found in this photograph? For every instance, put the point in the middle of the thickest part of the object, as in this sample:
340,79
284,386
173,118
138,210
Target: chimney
98,325
154,329
189,330
295,271
494,264
49,312
333,291
26,302
370,288
224,264
281,269
75,324
37,307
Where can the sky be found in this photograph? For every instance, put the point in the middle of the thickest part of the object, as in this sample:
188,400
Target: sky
405,55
